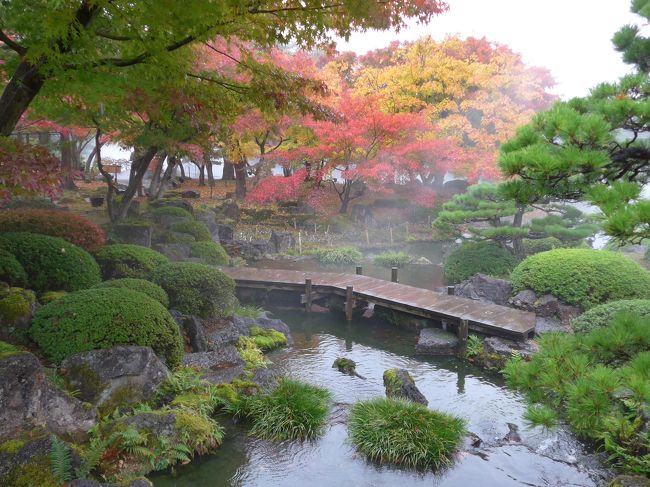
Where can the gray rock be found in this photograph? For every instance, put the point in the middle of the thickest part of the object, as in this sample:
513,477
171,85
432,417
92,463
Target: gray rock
345,365
193,330
434,341
399,383
190,194
230,209
253,250
512,436
485,288
115,376
544,324
568,312
223,333
28,400
217,366
265,323
629,481
524,300
176,252
547,305
155,424
281,241
138,234
225,232
497,351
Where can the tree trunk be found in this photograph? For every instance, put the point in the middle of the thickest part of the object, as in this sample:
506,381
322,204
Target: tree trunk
139,166
23,86
167,175
155,177
345,198
240,180
201,174
287,171
517,245
67,161
208,169
438,181
228,171
182,169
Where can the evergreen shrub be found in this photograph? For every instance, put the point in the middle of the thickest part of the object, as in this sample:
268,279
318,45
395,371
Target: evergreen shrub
195,228
603,314
11,271
141,285
478,257
209,252
127,260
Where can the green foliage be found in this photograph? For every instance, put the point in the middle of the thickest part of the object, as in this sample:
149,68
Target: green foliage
249,311
49,296
293,410
251,353
535,246
12,447
51,263
209,252
11,271
171,211
267,340
7,349
602,315
197,289
583,277
102,318
393,259
336,256
61,460
149,288
404,433
478,257
474,346
126,260
598,381
16,306
195,228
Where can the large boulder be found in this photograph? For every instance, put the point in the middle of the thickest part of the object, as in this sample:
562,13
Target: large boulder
282,241
17,306
192,330
217,366
253,250
221,333
28,400
115,376
399,383
133,233
176,252
224,233
545,306
264,323
434,342
497,351
481,287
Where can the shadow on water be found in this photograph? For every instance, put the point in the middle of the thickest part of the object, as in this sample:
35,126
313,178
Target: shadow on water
450,385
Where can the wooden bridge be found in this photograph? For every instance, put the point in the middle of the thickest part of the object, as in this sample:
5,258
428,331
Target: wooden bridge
483,317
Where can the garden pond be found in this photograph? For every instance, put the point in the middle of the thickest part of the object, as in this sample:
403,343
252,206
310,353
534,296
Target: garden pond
541,458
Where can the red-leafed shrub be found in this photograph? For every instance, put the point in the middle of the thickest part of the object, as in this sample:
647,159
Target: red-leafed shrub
69,226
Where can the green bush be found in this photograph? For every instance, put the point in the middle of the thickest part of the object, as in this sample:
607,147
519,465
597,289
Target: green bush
478,257
210,252
533,246
603,314
126,260
51,263
339,256
582,277
171,211
149,288
102,318
292,411
11,271
393,259
195,228
404,433
197,289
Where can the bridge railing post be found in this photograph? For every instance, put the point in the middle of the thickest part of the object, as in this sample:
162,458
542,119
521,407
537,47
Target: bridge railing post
349,302
393,274
308,296
462,332
359,270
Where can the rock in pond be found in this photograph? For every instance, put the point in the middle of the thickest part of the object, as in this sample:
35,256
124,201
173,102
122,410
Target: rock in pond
345,365
497,351
399,383
485,288
115,376
264,323
434,341
217,366
28,400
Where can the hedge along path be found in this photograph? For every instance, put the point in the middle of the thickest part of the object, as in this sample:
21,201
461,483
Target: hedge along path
486,318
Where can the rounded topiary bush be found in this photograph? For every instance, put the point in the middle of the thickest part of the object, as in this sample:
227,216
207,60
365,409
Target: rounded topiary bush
102,318
192,227
404,433
478,257
197,289
582,277
56,223
126,260
10,270
51,263
149,288
603,314
171,211
210,252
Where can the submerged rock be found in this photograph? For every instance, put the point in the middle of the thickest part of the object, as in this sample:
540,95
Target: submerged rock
345,365
485,288
434,341
115,376
399,383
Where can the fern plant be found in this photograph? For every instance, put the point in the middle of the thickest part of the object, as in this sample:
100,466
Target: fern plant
61,460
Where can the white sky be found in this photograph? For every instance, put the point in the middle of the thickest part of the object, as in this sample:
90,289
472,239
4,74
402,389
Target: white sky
572,38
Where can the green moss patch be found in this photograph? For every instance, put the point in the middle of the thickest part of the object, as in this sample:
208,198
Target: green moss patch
267,339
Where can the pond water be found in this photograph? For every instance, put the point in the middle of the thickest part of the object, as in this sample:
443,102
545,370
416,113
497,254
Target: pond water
542,458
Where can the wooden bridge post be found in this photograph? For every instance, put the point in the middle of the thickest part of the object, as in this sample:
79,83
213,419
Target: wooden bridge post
393,274
308,295
349,302
451,290
359,270
463,331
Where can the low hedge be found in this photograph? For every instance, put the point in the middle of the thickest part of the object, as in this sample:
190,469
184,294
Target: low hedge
337,256
210,252
56,223
603,314
195,228
478,257
149,288
582,277
102,318
127,260
197,289
51,263
171,211
393,259
11,271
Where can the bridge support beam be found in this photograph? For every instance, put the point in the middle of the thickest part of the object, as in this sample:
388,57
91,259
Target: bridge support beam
463,332
308,296
393,274
349,302
359,270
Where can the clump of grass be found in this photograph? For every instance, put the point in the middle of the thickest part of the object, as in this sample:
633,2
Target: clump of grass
267,340
336,256
247,311
404,433
393,259
251,353
292,410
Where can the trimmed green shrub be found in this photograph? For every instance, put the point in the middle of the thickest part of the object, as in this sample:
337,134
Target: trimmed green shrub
102,318
197,289
141,285
393,259
603,314
210,252
49,296
536,245
51,263
404,433
11,271
478,257
336,256
292,411
126,260
171,211
582,277
195,228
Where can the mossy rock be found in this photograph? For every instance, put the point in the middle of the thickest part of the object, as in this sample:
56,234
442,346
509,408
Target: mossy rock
345,365
267,339
49,296
35,473
17,306
7,349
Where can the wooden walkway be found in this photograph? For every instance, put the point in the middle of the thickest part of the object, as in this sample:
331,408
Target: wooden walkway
487,318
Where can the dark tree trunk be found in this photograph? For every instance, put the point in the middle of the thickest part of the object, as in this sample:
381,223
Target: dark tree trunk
228,171
240,180
167,175
287,171
182,169
67,161
208,169
139,166
23,86
345,198
155,177
517,246
201,175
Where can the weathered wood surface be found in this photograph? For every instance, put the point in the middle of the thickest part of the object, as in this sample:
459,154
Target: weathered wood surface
484,317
